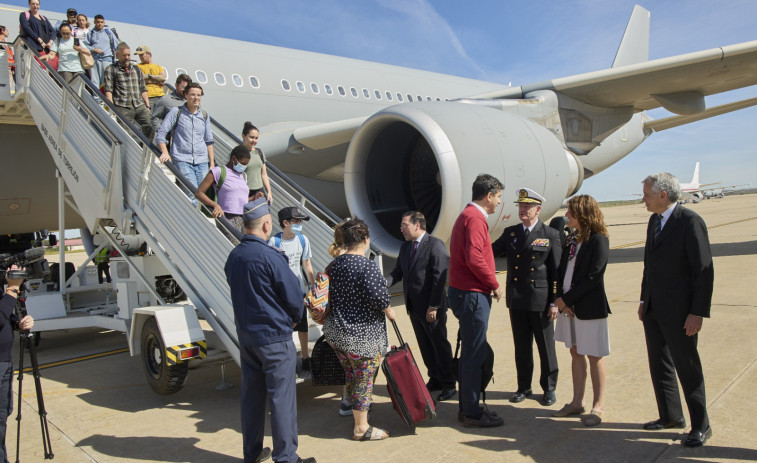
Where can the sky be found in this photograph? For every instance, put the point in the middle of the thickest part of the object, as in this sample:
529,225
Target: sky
510,41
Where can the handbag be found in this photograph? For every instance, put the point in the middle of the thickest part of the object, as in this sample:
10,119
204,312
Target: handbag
87,61
325,366
317,298
487,368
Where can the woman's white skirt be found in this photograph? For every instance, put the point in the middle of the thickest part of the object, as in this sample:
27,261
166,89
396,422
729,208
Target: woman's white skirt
591,337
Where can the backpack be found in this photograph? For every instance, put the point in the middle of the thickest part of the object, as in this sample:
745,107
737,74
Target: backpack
108,32
21,29
487,368
221,179
277,242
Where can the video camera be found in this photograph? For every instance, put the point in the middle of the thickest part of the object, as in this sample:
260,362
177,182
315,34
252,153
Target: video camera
33,260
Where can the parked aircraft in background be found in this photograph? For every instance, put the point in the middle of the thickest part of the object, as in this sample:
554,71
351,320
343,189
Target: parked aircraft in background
376,140
694,191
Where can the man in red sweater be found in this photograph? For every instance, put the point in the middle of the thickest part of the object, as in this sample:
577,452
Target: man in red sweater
472,282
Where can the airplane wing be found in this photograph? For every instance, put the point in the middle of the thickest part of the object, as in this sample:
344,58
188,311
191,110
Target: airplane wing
678,83
674,121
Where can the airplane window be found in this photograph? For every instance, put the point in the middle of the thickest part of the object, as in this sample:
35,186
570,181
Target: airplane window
389,96
409,97
180,71
284,84
237,79
220,78
366,93
314,88
300,86
201,77
341,90
428,98
399,96
438,99
378,94
420,98
353,90
256,83
327,89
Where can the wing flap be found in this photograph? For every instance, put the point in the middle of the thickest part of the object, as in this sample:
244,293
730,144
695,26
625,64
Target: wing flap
675,121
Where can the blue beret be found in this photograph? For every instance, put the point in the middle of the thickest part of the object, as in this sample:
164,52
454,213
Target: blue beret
255,209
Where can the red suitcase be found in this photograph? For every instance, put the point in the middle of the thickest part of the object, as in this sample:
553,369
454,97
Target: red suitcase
406,387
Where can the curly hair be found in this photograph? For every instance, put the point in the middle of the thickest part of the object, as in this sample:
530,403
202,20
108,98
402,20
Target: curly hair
585,210
348,235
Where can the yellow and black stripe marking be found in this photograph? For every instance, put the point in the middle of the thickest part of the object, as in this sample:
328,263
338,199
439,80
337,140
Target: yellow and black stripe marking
174,353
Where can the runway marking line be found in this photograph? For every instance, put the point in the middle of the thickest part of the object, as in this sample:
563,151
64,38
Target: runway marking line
77,359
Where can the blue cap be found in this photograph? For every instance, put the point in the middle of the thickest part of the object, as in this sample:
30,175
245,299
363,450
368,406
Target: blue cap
255,209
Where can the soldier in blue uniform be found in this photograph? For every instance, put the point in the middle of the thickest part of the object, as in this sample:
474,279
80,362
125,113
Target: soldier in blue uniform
533,254
267,302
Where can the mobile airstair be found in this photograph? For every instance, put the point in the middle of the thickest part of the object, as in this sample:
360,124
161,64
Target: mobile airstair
108,172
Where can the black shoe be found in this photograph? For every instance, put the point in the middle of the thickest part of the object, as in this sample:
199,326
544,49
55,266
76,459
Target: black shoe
264,455
447,394
460,416
434,385
486,421
306,364
697,438
656,425
520,396
306,460
548,398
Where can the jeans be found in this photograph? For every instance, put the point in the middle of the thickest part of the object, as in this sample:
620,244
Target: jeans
472,309
194,173
98,70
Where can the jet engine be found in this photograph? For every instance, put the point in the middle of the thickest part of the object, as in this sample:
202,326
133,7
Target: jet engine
425,157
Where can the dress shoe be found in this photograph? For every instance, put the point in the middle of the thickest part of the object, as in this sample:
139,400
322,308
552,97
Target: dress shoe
485,421
447,394
656,425
548,398
306,460
520,396
264,455
569,410
593,418
697,438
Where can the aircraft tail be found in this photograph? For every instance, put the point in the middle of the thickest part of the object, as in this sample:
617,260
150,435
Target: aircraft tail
634,48
695,180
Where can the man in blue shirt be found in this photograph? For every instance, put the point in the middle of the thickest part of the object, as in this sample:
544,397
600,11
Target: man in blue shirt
191,138
267,301
103,42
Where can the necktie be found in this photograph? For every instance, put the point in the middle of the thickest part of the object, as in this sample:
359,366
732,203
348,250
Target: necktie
526,231
658,226
412,251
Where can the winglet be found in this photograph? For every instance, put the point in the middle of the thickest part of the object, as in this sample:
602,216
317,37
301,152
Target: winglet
634,48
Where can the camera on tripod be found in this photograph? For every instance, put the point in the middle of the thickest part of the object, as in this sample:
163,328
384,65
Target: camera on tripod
36,266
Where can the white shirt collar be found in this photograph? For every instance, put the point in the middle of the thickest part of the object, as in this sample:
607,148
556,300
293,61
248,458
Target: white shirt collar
666,215
531,228
483,211
420,237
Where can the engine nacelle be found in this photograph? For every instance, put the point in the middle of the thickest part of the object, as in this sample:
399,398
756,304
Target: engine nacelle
425,156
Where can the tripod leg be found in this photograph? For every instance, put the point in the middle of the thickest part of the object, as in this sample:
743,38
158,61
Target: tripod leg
22,345
46,444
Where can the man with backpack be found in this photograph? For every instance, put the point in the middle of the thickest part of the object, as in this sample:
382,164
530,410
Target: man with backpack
188,127
297,248
103,43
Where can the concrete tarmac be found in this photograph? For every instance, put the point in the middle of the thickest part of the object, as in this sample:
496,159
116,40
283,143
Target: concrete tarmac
102,410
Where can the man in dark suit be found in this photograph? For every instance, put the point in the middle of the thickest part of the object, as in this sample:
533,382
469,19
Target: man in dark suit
533,256
676,292
422,265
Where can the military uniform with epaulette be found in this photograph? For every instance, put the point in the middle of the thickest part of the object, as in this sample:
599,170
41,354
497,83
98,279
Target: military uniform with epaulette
533,256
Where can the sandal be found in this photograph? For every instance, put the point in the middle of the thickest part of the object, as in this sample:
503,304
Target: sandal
372,434
568,410
593,418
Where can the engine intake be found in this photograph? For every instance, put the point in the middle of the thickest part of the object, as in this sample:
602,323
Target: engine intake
425,156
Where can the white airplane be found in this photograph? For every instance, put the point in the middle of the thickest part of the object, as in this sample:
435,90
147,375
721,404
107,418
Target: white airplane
376,140
693,191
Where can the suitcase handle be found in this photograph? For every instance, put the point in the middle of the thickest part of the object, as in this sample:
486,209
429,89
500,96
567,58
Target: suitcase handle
397,331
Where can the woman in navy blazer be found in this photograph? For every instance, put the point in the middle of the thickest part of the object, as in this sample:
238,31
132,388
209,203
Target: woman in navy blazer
583,305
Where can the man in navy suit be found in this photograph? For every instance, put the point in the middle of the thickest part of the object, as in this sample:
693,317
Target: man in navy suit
533,254
676,293
422,266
